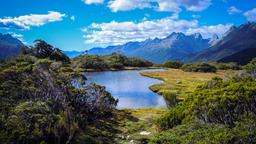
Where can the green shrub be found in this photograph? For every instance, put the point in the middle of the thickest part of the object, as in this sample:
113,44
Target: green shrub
173,64
199,67
105,62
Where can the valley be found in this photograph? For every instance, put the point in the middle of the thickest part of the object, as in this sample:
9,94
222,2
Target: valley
175,90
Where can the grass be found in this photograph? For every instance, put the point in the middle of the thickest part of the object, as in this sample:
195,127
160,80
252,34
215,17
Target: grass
125,126
178,83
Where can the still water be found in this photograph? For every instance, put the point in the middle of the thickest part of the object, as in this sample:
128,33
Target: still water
131,88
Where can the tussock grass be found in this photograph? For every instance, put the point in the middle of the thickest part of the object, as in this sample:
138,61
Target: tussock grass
179,83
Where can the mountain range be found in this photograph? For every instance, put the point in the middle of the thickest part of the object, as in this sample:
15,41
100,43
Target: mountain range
238,45
9,46
236,42
176,46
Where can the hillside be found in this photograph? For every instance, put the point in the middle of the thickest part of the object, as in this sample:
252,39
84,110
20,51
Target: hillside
176,46
9,46
112,61
234,41
242,57
43,100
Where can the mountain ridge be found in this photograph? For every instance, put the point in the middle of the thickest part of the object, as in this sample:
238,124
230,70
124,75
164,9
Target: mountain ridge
235,40
176,46
9,46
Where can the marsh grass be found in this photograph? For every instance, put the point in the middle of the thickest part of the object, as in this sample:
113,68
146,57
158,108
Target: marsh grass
179,83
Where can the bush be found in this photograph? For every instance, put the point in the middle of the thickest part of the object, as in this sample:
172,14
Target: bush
173,64
199,67
112,61
217,101
226,66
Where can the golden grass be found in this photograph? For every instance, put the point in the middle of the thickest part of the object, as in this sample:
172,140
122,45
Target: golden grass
179,83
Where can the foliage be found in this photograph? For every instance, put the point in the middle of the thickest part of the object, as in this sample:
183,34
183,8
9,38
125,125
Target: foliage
105,62
226,66
45,50
197,132
251,67
229,105
199,67
43,100
173,64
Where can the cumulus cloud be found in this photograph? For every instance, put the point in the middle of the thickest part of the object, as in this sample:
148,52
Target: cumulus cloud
233,10
251,15
160,5
124,5
27,21
122,32
93,1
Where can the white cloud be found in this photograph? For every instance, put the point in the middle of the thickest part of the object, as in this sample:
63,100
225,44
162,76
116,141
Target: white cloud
196,5
208,31
73,18
122,32
93,1
160,5
124,5
26,21
19,37
233,10
196,16
251,15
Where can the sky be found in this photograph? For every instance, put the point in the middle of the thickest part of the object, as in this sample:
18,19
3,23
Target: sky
82,24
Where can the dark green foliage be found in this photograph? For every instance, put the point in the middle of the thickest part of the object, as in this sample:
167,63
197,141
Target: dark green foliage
251,67
217,112
217,101
173,64
45,50
226,66
43,100
225,109
199,67
198,132
113,61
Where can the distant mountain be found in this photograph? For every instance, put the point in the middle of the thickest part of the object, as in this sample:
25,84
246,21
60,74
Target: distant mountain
9,46
72,54
243,57
176,46
235,43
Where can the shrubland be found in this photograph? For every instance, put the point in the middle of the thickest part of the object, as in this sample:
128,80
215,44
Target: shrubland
113,61
219,111
43,100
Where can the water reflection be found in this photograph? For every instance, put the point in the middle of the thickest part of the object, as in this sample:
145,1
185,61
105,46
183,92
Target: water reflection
129,87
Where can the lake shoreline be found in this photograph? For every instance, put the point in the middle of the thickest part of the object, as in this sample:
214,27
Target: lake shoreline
124,69
177,83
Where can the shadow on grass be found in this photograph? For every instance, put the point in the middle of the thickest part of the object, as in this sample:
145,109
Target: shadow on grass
107,130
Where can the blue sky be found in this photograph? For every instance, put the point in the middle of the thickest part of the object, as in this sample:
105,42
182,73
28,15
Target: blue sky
83,24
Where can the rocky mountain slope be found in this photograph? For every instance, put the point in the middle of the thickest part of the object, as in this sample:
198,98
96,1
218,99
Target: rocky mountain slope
176,46
235,40
9,46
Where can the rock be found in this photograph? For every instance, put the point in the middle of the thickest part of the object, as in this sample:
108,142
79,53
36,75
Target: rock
178,82
145,133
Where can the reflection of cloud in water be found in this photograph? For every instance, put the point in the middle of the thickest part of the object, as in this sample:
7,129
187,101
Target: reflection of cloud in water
129,87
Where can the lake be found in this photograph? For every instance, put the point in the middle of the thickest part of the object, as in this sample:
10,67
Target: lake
131,88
